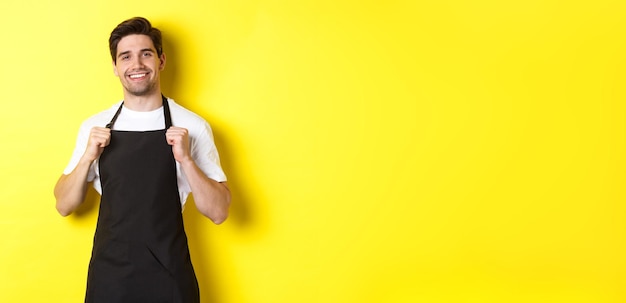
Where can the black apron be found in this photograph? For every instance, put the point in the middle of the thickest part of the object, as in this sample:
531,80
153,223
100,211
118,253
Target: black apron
140,251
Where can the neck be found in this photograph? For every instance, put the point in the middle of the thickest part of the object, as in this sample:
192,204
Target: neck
144,103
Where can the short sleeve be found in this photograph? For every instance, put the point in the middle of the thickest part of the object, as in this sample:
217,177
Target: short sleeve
205,153
79,150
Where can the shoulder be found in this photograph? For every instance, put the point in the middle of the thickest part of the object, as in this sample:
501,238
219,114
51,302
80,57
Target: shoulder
184,117
100,119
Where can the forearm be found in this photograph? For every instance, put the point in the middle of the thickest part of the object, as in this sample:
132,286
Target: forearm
212,198
71,189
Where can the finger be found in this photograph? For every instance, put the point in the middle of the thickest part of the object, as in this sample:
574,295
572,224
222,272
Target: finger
100,140
100,130
99,137
171,141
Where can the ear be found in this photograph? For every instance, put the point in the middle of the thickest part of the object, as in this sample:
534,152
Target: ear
162,58
114,69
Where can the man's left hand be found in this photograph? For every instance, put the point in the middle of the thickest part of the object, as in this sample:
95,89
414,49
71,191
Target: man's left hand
178,138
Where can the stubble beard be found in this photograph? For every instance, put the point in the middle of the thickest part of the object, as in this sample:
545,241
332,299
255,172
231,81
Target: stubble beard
140,90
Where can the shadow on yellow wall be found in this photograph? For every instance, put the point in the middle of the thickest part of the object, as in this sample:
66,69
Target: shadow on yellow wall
377,151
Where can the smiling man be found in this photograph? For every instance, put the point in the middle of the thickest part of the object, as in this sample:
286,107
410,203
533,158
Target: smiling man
144,155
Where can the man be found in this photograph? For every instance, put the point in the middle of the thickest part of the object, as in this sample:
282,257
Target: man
144,156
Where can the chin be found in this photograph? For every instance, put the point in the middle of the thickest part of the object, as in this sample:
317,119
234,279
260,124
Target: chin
140,92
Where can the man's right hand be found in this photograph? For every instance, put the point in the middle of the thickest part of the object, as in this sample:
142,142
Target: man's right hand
71,189
99,138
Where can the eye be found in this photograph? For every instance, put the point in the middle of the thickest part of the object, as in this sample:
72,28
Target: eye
147,54
125,57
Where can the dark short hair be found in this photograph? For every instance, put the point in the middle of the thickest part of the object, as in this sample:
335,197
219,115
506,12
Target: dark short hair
135,26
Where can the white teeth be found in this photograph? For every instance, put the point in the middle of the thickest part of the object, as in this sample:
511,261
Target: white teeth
137,76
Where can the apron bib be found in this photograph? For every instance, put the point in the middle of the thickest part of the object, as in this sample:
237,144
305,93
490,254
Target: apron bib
140,251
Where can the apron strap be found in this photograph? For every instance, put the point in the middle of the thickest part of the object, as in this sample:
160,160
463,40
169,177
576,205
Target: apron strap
166,113
117,113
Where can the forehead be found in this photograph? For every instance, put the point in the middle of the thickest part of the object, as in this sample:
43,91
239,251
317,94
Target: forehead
135,43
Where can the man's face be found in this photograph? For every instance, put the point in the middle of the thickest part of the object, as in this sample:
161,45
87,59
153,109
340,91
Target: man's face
138,66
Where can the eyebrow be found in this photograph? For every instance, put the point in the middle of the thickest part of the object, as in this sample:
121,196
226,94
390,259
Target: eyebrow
142,50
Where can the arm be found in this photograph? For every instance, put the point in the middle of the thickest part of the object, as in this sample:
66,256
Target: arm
212,198
70,190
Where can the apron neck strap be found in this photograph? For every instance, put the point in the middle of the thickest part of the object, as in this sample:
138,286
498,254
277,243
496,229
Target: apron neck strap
166,113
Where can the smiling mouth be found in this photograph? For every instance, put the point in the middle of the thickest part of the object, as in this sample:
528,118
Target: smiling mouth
137,76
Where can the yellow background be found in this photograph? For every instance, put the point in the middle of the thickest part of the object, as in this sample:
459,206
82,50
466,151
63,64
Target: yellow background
377,151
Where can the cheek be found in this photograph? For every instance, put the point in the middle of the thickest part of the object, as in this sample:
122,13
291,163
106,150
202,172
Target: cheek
117,70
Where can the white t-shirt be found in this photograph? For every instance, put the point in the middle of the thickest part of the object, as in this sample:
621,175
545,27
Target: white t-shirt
202,146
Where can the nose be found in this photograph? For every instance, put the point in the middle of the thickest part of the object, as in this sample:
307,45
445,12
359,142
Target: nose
137,62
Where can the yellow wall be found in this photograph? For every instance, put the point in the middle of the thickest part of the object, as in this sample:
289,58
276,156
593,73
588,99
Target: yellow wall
378,151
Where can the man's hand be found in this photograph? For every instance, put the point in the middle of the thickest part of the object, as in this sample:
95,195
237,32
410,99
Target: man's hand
71,189
99,138
178,138
211,198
